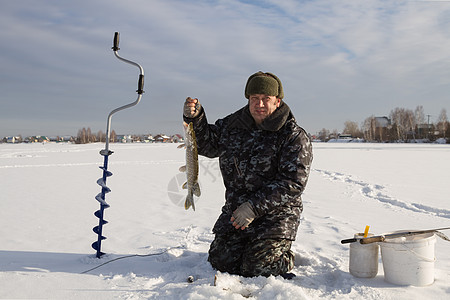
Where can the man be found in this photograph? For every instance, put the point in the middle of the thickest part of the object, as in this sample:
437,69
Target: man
265,159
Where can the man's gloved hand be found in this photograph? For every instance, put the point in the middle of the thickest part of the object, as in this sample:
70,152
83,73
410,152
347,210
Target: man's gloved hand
191,107
243,216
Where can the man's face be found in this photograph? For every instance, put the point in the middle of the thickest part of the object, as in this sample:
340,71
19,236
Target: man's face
261,106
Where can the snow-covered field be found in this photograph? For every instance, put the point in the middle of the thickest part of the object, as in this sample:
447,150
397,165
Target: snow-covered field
47,210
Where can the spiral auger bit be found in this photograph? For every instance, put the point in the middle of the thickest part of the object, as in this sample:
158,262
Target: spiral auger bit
106,153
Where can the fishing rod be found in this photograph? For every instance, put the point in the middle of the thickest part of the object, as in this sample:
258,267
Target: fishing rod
383,237
106,152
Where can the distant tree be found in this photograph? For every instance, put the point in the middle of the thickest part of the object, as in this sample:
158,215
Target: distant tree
323,135
352,128
85,136
113,137
81,136
369,128
403,122
334,134
419,115
90,136
442,124
420,123
101,137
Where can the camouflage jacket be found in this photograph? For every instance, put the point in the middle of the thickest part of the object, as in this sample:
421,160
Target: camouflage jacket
267,165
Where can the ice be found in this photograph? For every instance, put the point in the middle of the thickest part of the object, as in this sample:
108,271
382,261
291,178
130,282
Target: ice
153,244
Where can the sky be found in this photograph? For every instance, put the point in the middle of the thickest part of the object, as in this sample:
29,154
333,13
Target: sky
338,61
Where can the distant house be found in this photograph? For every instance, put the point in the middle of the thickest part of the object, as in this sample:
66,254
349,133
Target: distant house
37,139
124,138
148,139
177,138
55,139
423,130
67,138
382,122
382,126
13,139
43,139
59,139
344,136
341,138
162,138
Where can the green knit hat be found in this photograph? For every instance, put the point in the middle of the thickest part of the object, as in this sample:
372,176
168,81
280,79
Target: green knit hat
264,83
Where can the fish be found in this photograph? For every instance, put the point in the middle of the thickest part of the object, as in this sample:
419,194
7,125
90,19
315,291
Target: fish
191,168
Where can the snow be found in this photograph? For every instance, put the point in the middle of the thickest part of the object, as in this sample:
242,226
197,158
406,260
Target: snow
47,205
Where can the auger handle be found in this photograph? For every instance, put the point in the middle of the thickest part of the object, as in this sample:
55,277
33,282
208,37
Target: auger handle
373,239
367,240
347,241
116,42
140,89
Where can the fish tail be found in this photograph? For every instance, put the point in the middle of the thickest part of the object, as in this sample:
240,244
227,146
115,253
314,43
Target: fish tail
189,202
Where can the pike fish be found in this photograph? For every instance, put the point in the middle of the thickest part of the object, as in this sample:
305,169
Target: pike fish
191,167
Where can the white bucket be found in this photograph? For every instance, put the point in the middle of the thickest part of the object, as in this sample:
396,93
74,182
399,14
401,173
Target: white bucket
363,258
409,260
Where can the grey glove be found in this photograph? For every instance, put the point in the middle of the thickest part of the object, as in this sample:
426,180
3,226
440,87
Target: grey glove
191,107
243,216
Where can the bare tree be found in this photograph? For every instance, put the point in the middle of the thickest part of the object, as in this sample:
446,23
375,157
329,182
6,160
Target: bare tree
81,136
403,122
113,137
334,134
90,137
419,115
85,136
369,128
442,124
352,128
323,134
101,137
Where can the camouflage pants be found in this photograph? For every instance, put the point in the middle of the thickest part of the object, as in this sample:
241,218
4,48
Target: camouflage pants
236,254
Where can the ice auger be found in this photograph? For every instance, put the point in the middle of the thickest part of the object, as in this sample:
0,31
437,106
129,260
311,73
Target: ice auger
106,152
